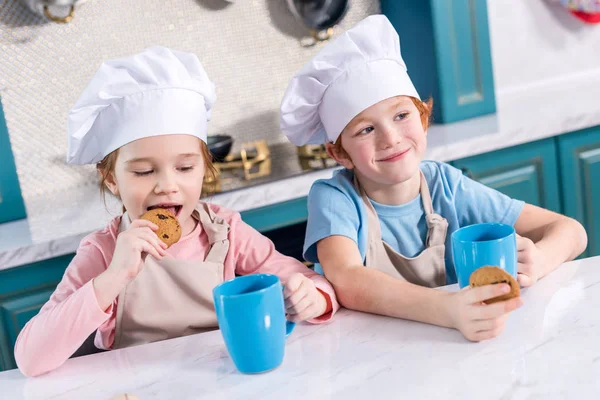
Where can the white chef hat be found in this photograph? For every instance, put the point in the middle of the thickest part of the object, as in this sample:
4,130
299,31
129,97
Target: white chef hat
156,92
360,68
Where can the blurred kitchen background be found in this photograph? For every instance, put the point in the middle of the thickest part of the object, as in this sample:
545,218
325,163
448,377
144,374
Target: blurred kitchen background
249,48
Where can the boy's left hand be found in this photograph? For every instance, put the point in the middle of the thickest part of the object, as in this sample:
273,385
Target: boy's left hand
302,299
530,261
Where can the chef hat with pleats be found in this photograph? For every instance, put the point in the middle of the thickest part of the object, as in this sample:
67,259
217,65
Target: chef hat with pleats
156,92
358,69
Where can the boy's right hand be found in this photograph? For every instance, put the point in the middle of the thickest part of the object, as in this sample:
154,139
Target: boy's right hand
132,247
476,320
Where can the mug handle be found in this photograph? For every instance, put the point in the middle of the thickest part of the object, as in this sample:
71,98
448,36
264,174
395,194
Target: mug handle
289,327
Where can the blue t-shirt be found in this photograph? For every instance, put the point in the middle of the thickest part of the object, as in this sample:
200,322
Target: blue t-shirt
336,208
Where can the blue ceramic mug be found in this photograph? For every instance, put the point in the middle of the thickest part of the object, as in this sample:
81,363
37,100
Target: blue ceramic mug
478,245
251,314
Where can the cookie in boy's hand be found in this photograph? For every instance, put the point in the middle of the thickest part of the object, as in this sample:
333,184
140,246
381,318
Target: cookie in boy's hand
169,230
493,275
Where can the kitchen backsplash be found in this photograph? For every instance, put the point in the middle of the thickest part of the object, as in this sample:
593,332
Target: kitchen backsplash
250,49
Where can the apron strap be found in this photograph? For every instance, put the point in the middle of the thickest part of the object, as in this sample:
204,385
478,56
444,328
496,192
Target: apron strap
425,196
437,226
217,231
372,218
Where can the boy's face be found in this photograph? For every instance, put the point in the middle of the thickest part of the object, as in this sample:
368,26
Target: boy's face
384,143
164,171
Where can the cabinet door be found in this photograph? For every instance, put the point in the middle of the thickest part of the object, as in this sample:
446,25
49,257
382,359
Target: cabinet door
11,202
446,47
15,313
277,216
580,170
527,172
23,291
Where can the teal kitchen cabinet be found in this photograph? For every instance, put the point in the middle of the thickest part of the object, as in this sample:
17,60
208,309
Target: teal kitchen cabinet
11,201
528,172
277,216
580,171
23,291
446,47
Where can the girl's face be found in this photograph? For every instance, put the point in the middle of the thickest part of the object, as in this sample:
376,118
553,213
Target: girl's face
161,171
384,143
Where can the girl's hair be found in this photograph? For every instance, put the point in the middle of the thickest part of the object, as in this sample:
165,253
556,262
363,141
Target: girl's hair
424,108
108,163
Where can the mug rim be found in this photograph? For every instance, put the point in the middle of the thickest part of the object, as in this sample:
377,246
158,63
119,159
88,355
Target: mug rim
246,277
454,236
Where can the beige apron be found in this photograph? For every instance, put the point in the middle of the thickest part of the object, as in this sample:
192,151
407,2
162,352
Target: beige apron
428,268
171,297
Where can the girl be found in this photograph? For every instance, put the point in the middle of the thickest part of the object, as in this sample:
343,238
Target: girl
388,210
143,120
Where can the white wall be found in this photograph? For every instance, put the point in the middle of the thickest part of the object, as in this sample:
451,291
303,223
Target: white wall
539,43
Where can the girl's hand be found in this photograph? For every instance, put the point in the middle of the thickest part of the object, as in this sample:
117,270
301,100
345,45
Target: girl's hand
476,320
302,299
133,245
530,262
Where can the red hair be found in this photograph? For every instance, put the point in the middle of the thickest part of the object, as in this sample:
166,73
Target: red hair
424,108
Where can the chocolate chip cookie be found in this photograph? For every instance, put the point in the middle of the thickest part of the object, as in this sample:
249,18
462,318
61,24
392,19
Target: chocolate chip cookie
169,230
493,275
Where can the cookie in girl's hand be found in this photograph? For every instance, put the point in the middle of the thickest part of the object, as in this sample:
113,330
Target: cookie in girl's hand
169,230
493,275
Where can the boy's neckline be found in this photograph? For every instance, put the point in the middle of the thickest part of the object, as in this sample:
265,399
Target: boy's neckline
415,180
413,206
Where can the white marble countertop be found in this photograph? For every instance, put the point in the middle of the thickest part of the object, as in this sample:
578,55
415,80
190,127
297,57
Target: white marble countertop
549,350
56,224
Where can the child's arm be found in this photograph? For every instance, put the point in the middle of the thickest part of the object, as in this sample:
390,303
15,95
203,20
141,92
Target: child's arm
253,252
304,301
85,298
66,320
546,240
370,290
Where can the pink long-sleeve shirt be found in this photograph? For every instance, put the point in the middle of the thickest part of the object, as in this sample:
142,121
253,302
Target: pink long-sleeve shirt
72,313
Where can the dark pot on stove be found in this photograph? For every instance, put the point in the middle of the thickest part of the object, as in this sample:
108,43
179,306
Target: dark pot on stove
220,146
319,15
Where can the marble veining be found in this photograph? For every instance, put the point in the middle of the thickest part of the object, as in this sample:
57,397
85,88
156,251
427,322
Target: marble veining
548,350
